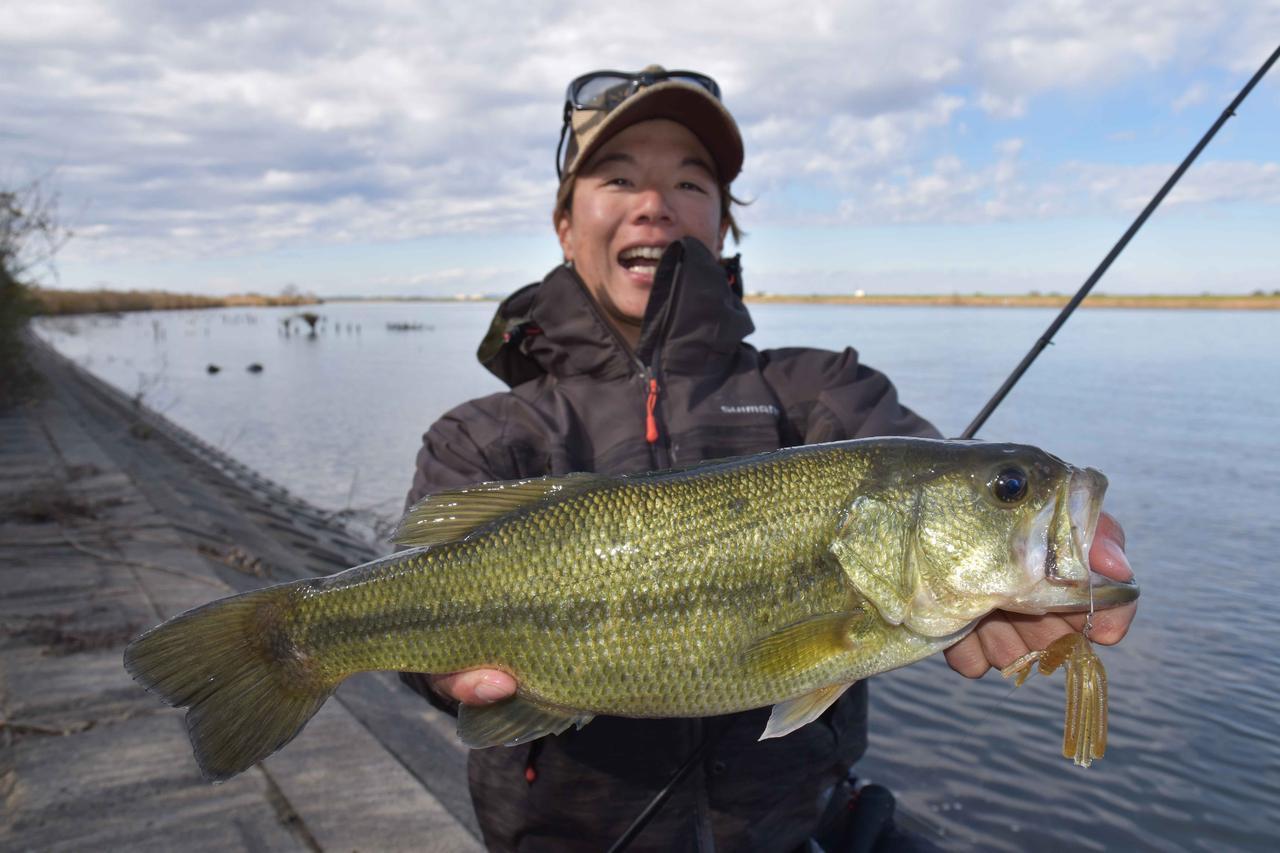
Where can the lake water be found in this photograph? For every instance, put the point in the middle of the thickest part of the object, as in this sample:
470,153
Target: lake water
1181,409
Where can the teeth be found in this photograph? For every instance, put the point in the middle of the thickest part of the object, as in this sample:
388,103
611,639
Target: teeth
651,252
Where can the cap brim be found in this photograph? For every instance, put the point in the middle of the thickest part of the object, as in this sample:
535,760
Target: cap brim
685,103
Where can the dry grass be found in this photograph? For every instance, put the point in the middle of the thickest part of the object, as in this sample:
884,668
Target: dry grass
49,301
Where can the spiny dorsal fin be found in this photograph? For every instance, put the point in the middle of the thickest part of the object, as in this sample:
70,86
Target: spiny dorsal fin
447,516
514,721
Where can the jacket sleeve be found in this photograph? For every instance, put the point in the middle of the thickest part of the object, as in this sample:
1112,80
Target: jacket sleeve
457,450
830,396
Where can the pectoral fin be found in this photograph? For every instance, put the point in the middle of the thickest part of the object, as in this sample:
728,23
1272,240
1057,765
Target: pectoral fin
804,645
514,721
802,710
874,551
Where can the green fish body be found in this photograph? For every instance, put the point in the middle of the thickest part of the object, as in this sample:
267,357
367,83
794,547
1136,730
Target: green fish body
776,579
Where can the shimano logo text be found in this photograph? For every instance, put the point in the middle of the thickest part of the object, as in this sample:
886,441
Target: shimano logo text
751,409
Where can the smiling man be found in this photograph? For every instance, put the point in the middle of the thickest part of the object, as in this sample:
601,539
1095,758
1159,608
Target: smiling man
631,357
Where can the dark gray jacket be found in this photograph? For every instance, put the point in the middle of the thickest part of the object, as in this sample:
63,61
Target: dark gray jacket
583,400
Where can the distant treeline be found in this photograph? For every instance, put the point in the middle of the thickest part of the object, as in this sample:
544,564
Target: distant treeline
50,301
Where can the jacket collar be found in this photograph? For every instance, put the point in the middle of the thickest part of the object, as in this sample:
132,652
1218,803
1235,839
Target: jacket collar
695,318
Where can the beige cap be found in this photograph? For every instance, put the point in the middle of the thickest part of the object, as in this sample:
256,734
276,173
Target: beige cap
681,101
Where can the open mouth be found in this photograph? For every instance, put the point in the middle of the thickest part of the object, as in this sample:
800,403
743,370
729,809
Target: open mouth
641,261
1057,553
1084,506
1062,533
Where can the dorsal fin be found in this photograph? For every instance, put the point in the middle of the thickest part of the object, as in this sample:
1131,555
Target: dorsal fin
448,516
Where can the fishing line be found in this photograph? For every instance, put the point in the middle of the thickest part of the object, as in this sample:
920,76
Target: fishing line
1088,617
1047,337
660,798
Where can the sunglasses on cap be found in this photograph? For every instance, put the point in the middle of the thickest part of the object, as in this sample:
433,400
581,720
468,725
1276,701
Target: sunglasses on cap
605,90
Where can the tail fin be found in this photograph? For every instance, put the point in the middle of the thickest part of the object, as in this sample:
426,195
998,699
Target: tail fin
249,689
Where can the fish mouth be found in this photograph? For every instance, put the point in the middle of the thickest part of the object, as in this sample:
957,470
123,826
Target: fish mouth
1056,555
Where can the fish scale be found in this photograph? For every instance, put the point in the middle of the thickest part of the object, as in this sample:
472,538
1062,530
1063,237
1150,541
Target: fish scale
693,590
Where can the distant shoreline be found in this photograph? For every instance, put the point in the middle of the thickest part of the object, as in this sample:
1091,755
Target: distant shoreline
1262,302
1235,302
54,302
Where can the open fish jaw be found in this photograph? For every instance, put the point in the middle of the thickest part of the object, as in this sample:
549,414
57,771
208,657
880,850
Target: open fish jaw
1056,553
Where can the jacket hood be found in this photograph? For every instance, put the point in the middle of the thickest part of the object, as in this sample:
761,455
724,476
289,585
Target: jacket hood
694,316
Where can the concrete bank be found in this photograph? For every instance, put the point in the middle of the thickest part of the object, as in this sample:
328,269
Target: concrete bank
111,520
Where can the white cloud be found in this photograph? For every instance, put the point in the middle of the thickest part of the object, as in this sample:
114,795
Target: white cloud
1129,188
1195,94
1003,106
231,128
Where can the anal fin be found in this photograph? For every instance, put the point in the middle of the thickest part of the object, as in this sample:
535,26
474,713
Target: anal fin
802,710
514,721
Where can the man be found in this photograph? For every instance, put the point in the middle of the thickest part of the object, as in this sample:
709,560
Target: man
630,357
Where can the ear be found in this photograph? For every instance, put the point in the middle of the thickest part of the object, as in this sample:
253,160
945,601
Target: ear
724,229
564,233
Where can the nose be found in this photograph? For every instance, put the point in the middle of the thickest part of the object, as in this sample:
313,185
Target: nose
652,207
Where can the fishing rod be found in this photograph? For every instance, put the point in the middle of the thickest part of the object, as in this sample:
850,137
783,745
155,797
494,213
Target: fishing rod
1047,337
660,798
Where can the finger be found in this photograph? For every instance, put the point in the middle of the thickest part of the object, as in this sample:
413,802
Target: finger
1107,557
475,686
1001,642
1107,523
1037,632
966,657
1109,626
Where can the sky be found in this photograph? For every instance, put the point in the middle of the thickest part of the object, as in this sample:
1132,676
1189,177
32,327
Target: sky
389,147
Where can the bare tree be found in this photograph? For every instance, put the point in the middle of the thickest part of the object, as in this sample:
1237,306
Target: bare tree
30,236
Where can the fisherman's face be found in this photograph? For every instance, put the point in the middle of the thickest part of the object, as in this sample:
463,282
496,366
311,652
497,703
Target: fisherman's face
652,184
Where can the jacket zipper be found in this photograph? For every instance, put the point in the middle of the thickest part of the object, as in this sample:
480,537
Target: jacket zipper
650,422
663,454
659,456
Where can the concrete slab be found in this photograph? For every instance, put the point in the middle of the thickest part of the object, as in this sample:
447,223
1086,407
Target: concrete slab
118,787
72,692
129,532
337,759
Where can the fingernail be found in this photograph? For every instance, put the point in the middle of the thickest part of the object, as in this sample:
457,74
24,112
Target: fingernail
491,692
1112,560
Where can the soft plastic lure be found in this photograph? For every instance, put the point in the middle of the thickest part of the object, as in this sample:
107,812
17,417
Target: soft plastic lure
1084,734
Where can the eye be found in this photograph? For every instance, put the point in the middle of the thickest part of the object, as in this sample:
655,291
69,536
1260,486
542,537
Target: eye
1010,485
690,185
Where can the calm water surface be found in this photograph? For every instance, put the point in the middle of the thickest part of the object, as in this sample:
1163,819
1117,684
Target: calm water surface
1180,409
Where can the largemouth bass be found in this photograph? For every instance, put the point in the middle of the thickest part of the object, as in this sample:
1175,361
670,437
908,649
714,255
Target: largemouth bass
777,579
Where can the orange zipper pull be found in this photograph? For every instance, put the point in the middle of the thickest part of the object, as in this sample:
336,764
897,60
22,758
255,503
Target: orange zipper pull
651,423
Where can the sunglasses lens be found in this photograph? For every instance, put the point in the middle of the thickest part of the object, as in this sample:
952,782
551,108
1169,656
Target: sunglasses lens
698,80
601,92
604,91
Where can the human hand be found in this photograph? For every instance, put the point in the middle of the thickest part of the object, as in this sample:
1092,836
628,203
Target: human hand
1001,638
474,686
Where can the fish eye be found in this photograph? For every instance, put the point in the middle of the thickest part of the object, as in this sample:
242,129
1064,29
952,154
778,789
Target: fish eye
1010,485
